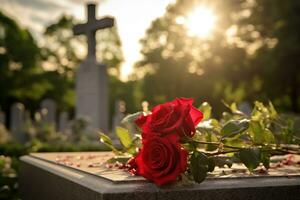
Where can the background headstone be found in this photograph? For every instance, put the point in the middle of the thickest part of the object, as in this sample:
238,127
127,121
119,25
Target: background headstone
63,121
120,108
48,111
91,94
17,122
27,117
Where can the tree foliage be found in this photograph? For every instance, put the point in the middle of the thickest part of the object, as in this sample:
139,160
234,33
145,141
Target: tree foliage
21,74
251,54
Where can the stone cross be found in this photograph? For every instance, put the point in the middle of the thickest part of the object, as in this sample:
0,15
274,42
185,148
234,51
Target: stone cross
48,111
91,77
17,122
90,28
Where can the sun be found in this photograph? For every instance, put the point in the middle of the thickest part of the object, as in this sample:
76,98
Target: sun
200,22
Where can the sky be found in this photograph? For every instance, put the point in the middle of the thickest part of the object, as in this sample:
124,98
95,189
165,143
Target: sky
133,17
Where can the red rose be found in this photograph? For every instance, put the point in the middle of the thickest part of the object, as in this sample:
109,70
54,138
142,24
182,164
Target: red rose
162,159
177,116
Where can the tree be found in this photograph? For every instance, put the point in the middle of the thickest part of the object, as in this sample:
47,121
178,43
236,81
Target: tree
276,24
21,74
176,64
242,58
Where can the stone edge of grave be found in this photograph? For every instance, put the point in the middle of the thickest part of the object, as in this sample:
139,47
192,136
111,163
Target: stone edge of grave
90,180
42,175
83,178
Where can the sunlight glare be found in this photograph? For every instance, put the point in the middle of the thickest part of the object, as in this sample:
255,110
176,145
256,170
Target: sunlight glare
201,22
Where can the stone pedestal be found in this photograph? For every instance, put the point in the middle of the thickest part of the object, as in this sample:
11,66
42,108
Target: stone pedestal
66,176
92,94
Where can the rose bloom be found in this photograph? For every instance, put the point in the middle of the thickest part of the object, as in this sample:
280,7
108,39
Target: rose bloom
161,159
178,116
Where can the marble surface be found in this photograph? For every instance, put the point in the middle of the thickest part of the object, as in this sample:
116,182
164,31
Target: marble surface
95,163
65,176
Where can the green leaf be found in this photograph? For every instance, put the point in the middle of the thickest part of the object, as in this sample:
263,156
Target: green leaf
256,132
211,164
234,127
130,118
269,137
250,157
233,108
199,166
211,138
124,137
259,134
205,108
108,142
272,111
208,125
121,159
265,159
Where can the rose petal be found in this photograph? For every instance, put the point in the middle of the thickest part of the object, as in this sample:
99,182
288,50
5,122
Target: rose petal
141,120
196,115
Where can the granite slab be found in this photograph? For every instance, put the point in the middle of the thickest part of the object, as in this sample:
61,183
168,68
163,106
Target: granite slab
75,176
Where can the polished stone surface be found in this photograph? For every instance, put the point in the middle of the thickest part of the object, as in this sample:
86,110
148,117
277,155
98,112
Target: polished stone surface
85,176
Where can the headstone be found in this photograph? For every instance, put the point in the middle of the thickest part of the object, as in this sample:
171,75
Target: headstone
48,111
27,117
245,107
2,117
17,122
120,108
78,176
63,121
91,77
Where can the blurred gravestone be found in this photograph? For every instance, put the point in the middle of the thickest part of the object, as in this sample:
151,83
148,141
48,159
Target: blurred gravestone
48,111
27,118
17,122
120,108
91,77
245,107
63,121
2,117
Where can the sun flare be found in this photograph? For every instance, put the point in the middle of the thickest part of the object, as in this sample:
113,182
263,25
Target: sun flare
200,22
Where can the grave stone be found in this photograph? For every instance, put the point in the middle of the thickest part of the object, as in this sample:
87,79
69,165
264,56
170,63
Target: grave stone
91,77
27,117
63,121
120,108
48,111
78,176
17,122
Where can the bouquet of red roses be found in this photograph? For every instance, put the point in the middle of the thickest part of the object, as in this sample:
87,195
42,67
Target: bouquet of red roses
162,158
170,142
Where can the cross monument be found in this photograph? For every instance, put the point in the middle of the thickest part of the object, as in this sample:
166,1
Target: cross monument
91,77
